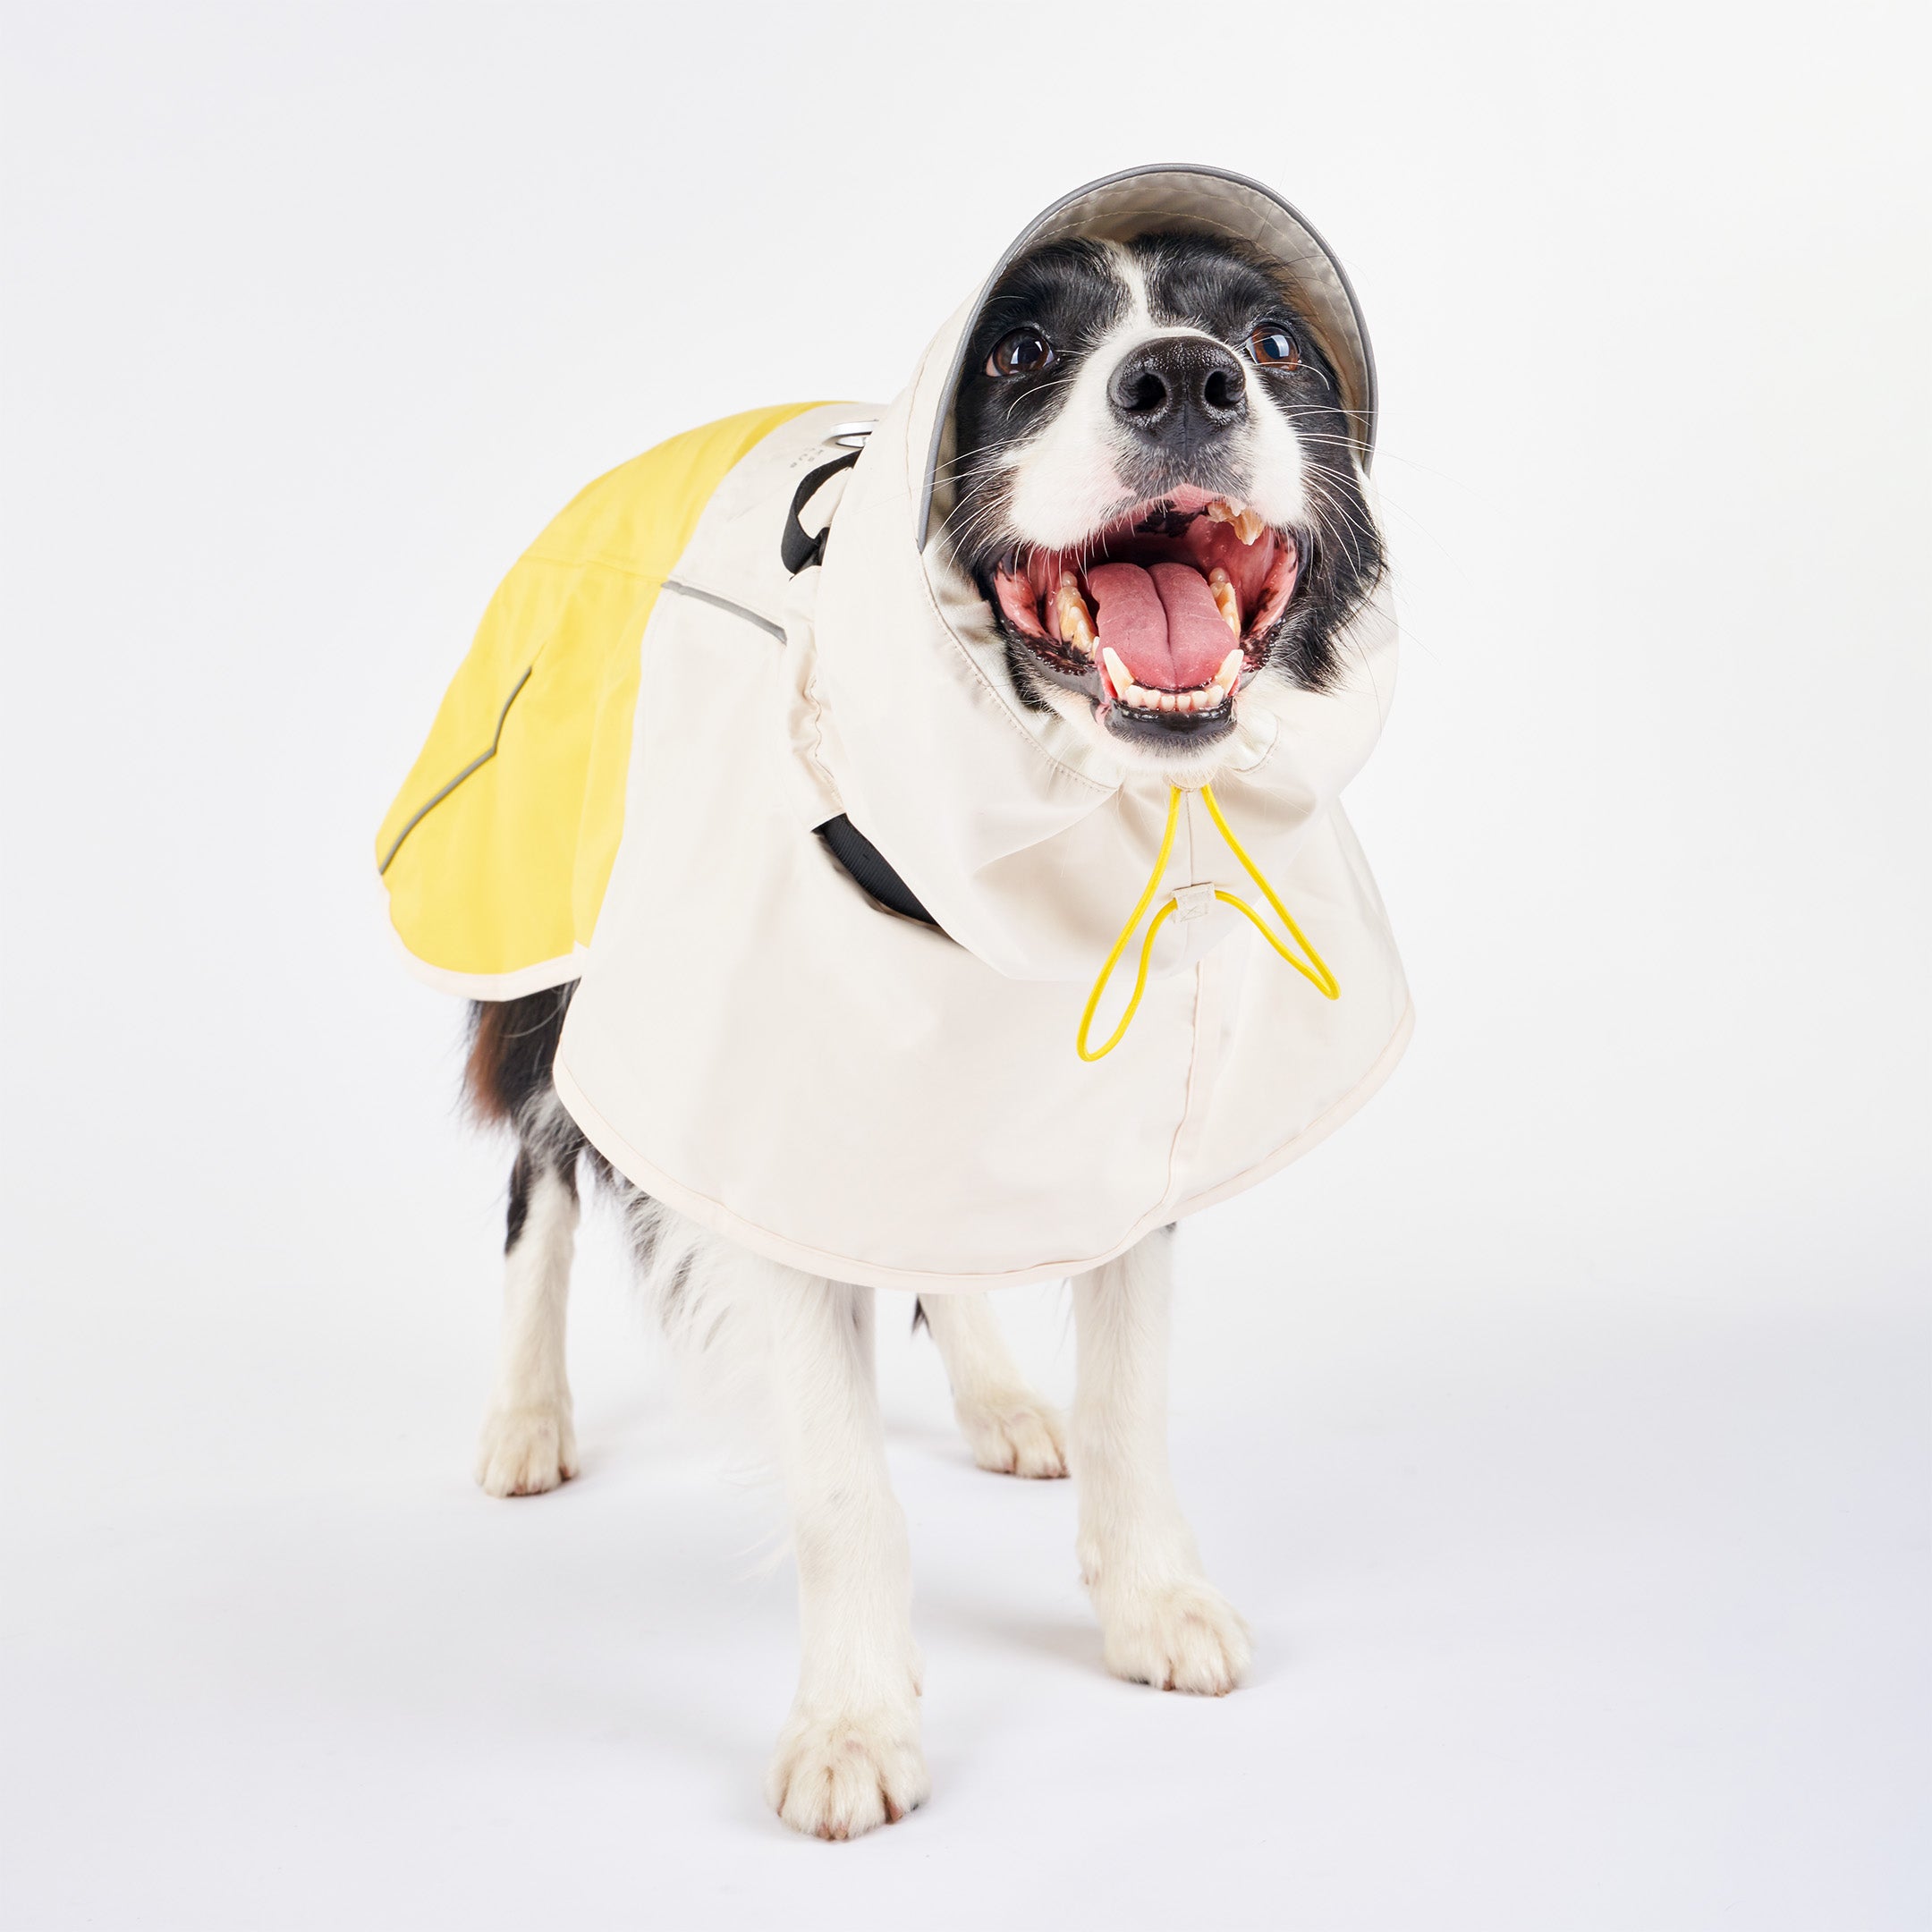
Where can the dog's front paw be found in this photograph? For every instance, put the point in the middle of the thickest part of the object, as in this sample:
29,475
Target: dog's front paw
524,1452
835,1775
1183,1636
1013,1434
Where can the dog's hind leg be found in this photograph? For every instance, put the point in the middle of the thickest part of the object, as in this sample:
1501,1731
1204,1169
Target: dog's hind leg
527,1444
849,1757
1008,1428
1161,1621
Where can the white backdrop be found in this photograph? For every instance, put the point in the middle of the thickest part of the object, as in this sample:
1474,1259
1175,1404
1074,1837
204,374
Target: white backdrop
1560,1426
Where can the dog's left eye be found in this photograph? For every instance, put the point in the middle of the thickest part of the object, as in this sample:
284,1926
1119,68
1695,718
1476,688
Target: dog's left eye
1274,348
1023,352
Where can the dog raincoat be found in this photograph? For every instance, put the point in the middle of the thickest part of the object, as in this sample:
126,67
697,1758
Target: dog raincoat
668,700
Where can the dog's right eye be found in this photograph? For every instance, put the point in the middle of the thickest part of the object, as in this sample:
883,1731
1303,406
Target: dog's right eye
1025,351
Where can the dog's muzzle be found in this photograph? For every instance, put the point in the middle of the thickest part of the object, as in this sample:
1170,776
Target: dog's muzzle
1162,616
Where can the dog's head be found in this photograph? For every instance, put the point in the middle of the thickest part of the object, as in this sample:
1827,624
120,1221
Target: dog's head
1157,486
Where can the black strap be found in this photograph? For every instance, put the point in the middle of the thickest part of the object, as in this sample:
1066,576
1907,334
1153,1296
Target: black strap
799,551
867,864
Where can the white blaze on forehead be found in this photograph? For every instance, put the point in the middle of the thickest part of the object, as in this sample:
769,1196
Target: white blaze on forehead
1065,485
1067,479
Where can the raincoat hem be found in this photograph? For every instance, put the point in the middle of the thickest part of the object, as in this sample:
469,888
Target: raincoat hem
721,1220
1318,1130
537,978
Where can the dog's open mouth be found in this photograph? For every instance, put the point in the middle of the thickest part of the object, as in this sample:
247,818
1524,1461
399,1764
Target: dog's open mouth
1160,616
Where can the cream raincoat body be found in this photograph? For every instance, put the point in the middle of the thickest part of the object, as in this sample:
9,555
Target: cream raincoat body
755,1041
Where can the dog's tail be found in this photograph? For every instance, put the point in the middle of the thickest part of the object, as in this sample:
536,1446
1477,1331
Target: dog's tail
513,1045
507,1083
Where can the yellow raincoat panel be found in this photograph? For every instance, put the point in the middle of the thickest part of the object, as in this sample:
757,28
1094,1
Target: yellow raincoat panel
498,847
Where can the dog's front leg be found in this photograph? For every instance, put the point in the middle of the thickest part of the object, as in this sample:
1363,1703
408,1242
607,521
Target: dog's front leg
1010,1430
1161,1621
849,1757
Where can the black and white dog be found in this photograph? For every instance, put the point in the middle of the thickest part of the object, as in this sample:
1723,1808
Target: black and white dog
1148,443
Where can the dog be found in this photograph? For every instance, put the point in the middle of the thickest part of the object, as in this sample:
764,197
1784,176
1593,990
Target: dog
1155,486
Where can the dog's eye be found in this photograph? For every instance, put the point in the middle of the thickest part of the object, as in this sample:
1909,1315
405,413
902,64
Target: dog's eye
1023,352
1274,348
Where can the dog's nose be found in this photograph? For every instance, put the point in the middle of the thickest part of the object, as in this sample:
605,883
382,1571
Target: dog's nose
1179,391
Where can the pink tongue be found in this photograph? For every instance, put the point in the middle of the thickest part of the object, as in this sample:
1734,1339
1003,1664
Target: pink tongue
1163,620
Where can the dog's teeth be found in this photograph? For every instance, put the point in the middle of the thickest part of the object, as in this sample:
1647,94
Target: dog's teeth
1231,667
1075,622
1167,699
1227,599
1246,523
1213,697
1118,674
1184,700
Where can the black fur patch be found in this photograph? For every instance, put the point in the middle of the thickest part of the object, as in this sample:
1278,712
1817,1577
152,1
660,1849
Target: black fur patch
520,1187
507,1077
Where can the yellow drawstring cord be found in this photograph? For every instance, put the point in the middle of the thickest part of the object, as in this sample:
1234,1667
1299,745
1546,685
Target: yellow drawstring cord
1315,970
1126,933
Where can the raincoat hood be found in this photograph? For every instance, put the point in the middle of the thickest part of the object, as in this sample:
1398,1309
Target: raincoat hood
977,798
759,1042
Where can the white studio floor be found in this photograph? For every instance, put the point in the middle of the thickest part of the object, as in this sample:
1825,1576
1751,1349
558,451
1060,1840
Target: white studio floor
1574,1607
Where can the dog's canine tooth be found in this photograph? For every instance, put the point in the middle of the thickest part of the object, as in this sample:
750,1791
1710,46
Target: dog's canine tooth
1075,622
1246,523
1227,599
1231,667
1121,677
